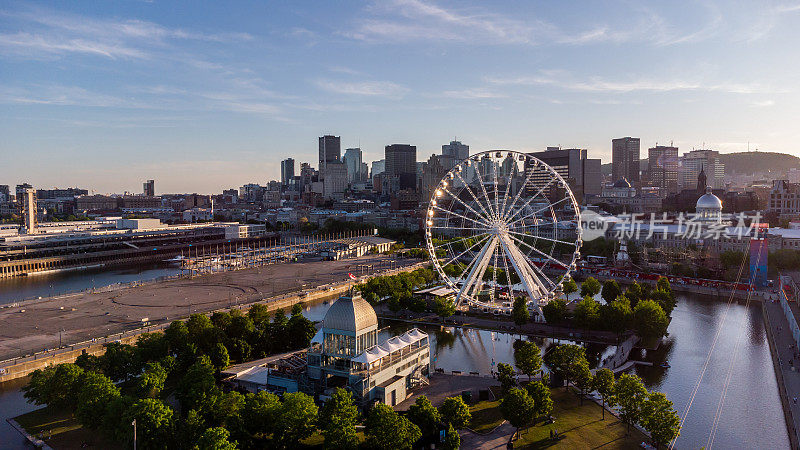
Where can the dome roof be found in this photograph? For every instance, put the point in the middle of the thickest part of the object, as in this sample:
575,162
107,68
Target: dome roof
350,313
622,183
708,201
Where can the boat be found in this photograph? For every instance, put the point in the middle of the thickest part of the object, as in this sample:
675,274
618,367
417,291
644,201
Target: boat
665,365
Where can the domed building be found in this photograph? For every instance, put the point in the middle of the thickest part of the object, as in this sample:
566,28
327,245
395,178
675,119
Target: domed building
345,353
709,207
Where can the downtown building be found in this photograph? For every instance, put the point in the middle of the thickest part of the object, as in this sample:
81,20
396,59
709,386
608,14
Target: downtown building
696,161
625,159
583,174
401,167
330,150
662,168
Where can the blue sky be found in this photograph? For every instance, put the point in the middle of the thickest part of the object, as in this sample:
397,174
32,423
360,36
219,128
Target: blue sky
206,96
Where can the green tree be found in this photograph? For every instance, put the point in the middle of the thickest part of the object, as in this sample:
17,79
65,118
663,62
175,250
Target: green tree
455,411
664,299
603,383
569,287
220,358
444,307
222,319
562,357
262,411
54,385
505,375
660,419
151,381
452,440
587,313
630,395
634,293
518,408
424,415
618,315
582,376
197,388
197,324
649,320
300,331
120,361
541,398
555,311
191,427
226,408
520,311
528,358
151,347
297,419
590,287
386,429
338,419
259,314
611,291
96,391
177,336
215,439
153,423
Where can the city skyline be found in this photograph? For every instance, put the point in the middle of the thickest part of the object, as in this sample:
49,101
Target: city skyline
202,99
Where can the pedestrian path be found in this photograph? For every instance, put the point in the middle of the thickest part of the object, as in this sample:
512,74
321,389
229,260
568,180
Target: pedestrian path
787,366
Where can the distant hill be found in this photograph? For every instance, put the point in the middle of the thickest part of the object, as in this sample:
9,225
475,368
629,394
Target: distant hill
746,162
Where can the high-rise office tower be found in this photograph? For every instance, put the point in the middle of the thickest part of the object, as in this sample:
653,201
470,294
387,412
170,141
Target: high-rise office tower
287,171
378,167
5,193
707,161
662,167
149,188
401,164
453,153
625,159
330,149
352,159
583,174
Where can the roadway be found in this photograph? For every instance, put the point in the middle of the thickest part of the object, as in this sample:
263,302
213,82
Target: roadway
34,326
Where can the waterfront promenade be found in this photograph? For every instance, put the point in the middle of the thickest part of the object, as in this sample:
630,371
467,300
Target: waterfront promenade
787,367
47,324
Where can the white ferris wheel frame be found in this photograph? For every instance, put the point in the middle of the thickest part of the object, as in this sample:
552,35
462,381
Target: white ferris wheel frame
497,219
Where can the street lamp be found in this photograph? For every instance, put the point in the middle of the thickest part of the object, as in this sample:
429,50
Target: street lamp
134,433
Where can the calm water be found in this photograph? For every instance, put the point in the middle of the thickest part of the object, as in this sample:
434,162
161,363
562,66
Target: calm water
46,285
751,417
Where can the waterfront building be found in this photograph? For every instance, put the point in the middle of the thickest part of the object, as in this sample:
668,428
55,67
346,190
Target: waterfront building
625,159
346,353
709,207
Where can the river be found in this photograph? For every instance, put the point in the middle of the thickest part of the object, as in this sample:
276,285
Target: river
751,416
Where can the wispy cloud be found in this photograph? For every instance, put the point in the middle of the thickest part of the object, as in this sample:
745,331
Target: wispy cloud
365,88
51,33
565,81
472,94
763,103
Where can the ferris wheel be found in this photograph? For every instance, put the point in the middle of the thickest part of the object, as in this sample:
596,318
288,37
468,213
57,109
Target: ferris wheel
502,225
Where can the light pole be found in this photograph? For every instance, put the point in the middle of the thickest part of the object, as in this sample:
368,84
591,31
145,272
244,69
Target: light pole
134,433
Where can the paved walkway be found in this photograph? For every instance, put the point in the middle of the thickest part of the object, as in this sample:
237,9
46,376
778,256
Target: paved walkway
786,366
496,439
445,385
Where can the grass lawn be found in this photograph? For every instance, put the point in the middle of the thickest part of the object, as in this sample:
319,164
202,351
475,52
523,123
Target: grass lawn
485,416
579,426
61,430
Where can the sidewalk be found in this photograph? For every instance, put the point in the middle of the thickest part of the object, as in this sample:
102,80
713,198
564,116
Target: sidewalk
786,366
